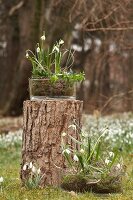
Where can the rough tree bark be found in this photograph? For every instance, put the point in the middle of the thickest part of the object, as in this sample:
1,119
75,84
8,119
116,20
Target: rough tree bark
44,123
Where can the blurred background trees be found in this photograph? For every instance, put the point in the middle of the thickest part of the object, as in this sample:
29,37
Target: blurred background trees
99,31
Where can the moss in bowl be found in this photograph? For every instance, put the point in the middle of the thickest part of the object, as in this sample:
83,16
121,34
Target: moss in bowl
80,183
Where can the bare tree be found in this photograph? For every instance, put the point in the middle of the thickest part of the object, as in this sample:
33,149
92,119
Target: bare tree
100,32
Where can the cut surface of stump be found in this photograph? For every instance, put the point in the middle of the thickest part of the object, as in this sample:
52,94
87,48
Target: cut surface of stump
44,121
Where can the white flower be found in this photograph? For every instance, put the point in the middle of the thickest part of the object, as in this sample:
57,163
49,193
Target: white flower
38,171
107,161
64,134
111,154
38,50
61,42
27,55
1,179
72,126
34,169
67,151
56,49
76,47
25,167
30,165
75,157
82,151
118,166
43,37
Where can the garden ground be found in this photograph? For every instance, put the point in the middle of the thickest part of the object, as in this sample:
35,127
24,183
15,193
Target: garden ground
10,159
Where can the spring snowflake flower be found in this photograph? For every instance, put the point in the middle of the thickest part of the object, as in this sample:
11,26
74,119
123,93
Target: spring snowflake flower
111,154
34,169
30,165
27,55
107,161
64,134
67,151
38,50
56,49
82,151
1,179
43,37
75,158
25,167
73,126
39,171
61,42
118,166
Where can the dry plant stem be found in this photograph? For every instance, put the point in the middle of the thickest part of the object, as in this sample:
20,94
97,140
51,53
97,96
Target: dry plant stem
44,123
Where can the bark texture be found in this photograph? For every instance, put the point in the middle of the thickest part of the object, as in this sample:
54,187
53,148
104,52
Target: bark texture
44,122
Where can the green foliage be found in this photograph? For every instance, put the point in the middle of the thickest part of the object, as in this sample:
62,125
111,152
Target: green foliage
34,176
33,182
89,157
47,62
93,162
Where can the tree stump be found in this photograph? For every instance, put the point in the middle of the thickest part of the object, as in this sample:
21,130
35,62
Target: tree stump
44,121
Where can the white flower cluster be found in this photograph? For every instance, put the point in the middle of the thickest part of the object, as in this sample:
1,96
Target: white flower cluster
119,132
11,138
30,166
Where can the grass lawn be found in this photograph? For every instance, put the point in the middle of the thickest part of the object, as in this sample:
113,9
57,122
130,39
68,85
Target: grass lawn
12,190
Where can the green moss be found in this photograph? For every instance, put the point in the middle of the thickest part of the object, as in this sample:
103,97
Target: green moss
80,183
74,183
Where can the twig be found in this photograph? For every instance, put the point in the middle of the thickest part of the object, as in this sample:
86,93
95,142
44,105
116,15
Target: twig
16,7
113,97
109,29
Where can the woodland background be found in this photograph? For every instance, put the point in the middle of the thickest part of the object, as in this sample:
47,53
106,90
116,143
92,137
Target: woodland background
100,32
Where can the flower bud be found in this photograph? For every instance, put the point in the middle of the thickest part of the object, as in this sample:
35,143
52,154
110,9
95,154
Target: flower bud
43,37
38,50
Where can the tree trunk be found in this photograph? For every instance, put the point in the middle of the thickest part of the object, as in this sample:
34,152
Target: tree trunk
20,33
44,123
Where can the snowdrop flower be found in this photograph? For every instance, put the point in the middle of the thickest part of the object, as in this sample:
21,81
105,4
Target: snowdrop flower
1,179
111,154
56,49
107,161
38,171
72,126
82,151
67,151
38,50
34,169
75,158
43,37
76,47
25,167
30,165
61,42
27,55
64,134
118,166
